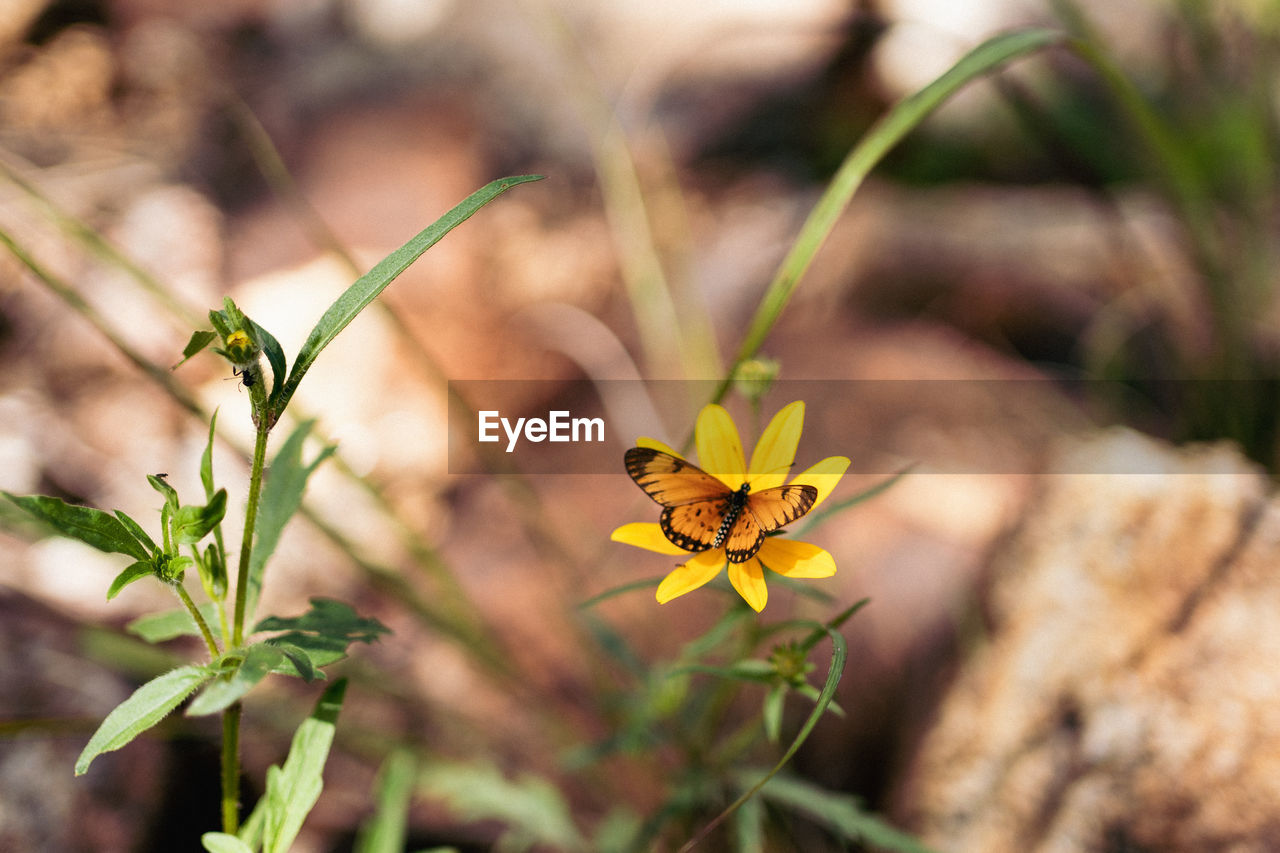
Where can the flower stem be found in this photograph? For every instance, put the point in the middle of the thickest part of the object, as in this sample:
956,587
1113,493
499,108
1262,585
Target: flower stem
250,521
231,716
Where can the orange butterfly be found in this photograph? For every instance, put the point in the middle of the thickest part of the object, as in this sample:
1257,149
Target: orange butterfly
699,512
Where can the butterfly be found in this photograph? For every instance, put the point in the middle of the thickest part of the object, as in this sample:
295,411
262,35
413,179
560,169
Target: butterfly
699,512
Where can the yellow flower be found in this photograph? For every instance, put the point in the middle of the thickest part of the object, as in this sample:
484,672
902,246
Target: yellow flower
720,454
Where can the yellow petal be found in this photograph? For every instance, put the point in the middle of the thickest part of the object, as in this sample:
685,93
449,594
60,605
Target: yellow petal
691,575
796,559
823,476
748,579
719,448
776,450
647,535
654,444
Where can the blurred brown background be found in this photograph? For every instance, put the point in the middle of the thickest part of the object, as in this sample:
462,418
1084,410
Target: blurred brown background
682,144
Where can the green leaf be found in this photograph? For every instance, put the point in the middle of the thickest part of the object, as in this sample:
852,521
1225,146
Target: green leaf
385,832
259,660
220,842
193,523
275,356
832,625
206,458
102,530
281,496
771,712
161,485
325,631
147,706
136,571
138,533
533,811
904,117
840,813
200,339
748,825
756,671
169,624
839,654
297,661
293,789
368,286
213,572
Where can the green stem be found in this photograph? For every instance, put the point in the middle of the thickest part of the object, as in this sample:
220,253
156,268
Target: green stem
231,716
250,521
199,620
231,769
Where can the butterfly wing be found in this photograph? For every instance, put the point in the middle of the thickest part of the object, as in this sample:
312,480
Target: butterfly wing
693,526
672,481
766,511
694,503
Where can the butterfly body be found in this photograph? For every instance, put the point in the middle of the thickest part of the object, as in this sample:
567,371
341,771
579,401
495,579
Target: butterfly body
700,512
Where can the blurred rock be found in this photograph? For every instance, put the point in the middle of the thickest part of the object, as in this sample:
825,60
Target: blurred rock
1126,695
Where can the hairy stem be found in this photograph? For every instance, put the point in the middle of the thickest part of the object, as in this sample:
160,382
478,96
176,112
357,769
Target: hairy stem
231,716
250,521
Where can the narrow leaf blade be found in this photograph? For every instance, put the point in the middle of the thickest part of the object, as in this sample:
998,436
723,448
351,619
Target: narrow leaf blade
385,832
295,787
368,286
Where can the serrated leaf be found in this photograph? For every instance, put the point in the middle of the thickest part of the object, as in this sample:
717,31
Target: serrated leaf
193,523
147,706
220,842
368,286
136,571
96,528
325,631
292,790
259,660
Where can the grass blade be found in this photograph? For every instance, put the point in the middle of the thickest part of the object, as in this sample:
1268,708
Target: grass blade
904,117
